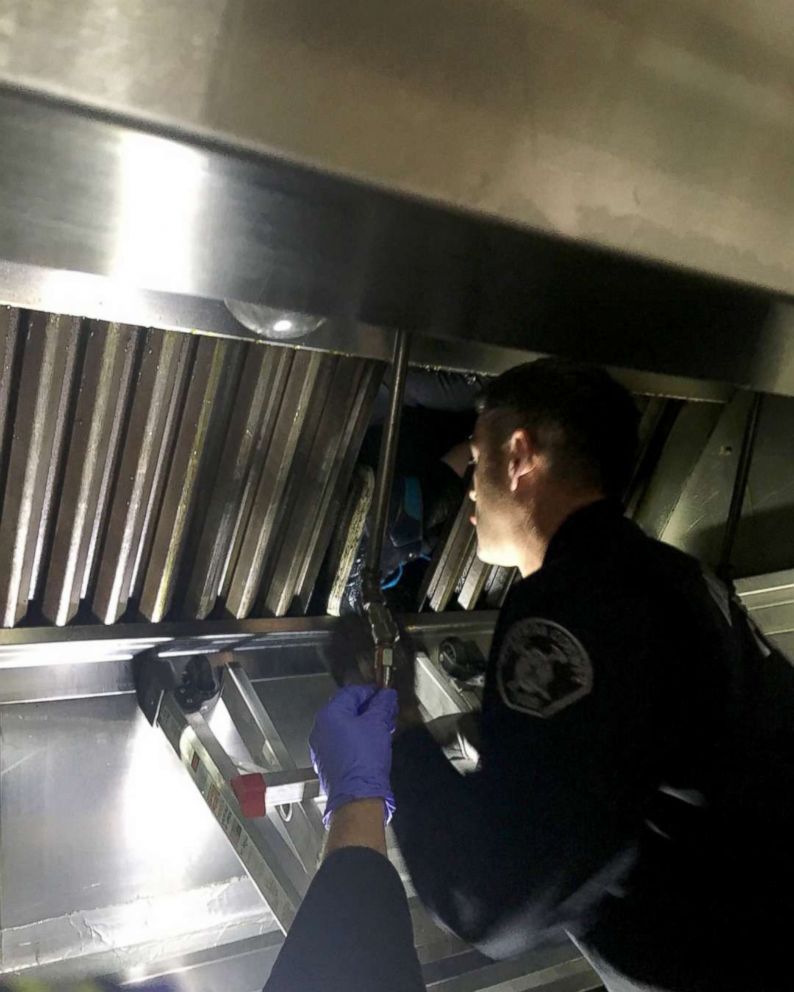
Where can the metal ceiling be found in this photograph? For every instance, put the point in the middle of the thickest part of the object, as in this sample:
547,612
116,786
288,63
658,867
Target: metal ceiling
661,130
149,473
156,218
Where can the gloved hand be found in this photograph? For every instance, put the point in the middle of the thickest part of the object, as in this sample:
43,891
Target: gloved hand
350,746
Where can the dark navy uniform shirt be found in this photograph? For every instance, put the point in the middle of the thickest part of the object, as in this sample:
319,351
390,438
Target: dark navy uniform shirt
636,786
352,932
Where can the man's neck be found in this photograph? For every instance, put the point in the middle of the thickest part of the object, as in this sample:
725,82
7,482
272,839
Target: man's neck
547,515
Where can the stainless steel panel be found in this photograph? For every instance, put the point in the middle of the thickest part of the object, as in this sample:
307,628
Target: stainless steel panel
98,419
455,568
242,966
245,448
658,417
437,693
560,969
697,522
473,581
183,475
176,466
292,704
40,418
44,683
759,591
662,131
172,217
9,334
77,293
679,457
30,647
770,601
318,485
295,418
129,937
96,813
110,861
152,422
686,500
253,721
765,537
453,557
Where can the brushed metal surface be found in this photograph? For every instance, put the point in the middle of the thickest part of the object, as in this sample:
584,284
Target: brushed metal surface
99,412
181,485
114,812
150,212
35,441
687,500
287,447
150,473
99,298
661,130
155,396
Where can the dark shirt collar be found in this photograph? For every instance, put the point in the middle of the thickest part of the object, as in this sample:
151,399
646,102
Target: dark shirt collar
582,525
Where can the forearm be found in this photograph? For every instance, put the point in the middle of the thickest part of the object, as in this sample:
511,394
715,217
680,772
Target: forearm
358,824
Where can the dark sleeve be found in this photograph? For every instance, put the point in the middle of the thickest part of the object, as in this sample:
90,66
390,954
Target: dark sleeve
526,846
352,932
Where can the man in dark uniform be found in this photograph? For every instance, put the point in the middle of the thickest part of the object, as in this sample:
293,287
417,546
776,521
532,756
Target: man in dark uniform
636,784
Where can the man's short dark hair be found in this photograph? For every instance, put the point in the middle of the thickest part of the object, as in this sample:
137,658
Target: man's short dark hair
584,420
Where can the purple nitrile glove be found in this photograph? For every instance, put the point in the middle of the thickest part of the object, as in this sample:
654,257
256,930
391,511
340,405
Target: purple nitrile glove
350,746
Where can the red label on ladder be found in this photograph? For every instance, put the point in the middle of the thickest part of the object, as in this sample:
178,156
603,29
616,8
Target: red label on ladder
250,792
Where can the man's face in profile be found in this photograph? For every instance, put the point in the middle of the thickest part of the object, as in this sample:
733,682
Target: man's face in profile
493,509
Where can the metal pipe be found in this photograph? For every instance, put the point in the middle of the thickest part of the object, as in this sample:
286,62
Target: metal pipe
388,454
739,487
384,630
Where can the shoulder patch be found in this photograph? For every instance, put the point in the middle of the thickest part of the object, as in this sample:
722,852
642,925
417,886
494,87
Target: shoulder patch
542,668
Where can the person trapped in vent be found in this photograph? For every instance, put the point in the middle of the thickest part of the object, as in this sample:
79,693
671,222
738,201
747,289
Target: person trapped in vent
636,781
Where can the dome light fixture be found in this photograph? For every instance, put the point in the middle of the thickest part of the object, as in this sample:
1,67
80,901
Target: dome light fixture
272,324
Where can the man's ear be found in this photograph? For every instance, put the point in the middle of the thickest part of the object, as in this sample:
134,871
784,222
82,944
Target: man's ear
521,457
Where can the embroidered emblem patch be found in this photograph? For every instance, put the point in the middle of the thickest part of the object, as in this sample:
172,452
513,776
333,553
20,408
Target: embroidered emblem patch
542,668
